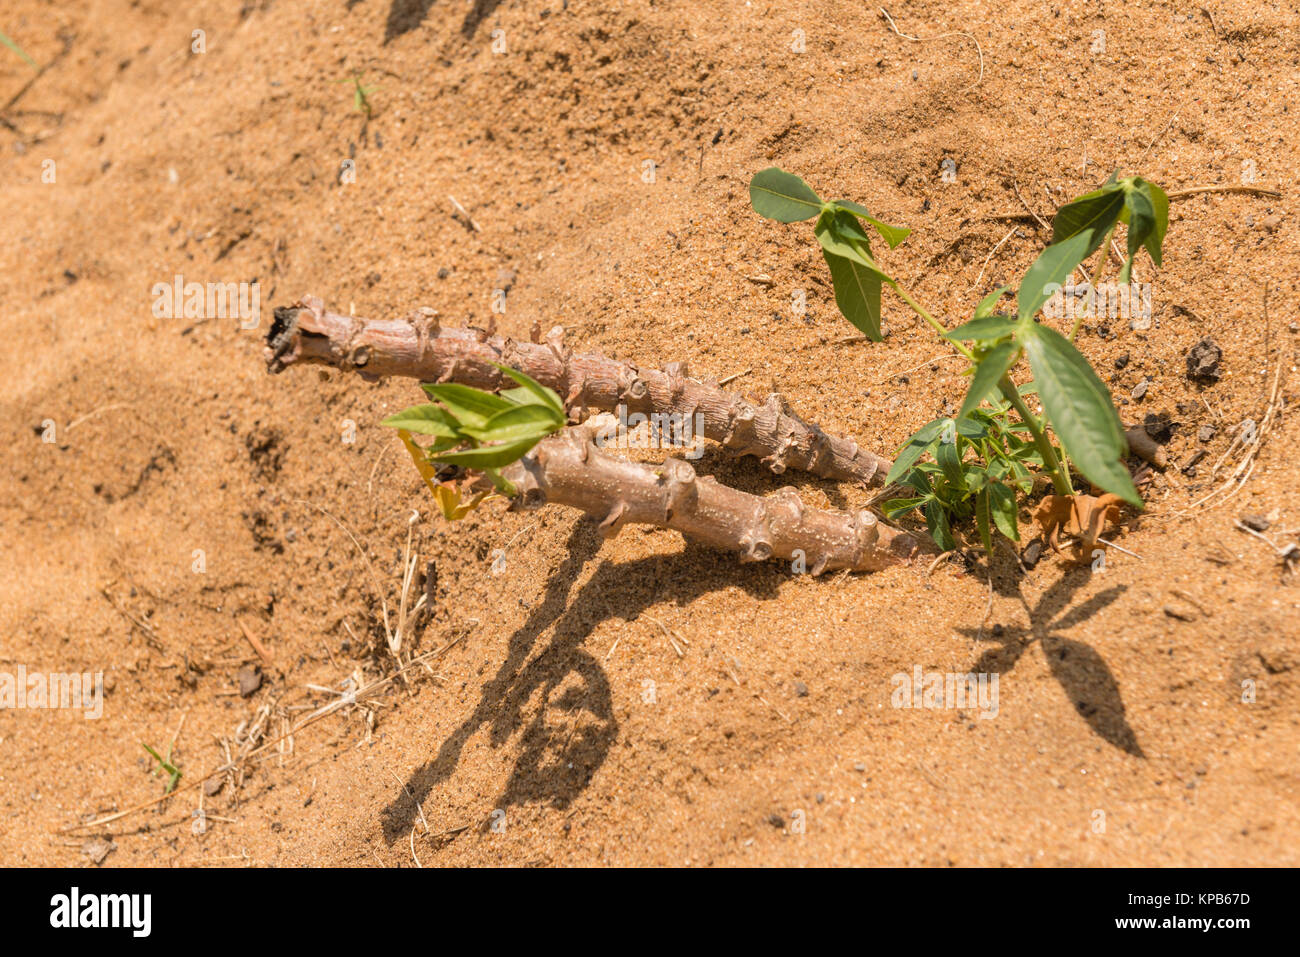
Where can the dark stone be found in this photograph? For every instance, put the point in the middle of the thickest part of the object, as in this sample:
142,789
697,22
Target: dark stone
1203,361
1159,426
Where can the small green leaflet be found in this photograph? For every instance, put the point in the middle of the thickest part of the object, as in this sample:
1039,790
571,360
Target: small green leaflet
539,392
914,448
1049,272
857,294
983,329
1091,215
897,507
946,454
989,370
1142,223
1079,406
990,302
472,407
1160,206
982,519
19,50
936,520
1002,504
893,235
430,419
518,423
487,457
776,194
854,274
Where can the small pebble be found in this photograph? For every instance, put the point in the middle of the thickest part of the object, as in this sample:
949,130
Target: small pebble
1255,522
250,679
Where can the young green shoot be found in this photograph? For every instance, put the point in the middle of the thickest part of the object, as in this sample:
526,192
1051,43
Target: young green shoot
478,431
981,457
360,94
19,50
165,764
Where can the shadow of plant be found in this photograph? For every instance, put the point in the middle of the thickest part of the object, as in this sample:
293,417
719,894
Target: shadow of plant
558,700
405,15
1081,672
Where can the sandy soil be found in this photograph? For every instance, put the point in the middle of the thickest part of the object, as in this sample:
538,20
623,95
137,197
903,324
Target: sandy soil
185,490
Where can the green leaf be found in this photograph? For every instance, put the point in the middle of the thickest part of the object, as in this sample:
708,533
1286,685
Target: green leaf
975,475
1079,407
841,235
913,449
430,419
1160,207
989,370
917,479
543,395
893,235
518,423
936,520
776,194
1142,223
489,456
990,302
469,406
982,519
19,50
896,507
1091,215
972,427
1002,505
949,458
1023,480
856,277
982,329
857,294
1053,265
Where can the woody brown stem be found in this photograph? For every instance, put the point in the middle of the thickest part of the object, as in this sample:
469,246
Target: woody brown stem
569,469
418,347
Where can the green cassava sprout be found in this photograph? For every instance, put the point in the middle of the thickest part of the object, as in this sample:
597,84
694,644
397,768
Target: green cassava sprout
981,457
477,430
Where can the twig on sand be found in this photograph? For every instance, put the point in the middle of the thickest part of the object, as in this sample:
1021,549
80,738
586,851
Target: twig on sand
312,718
464,212
260,648
1198,190
955,33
